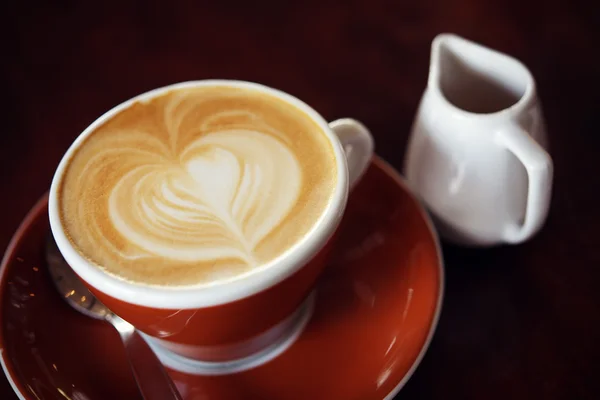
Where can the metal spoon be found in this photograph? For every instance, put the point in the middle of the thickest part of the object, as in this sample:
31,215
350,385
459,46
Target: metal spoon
152,379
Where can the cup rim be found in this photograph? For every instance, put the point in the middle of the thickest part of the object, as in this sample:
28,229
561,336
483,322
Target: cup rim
212,293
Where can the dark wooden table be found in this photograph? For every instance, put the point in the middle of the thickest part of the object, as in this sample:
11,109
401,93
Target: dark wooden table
518,322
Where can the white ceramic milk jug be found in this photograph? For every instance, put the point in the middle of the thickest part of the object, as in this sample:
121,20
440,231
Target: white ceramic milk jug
477,152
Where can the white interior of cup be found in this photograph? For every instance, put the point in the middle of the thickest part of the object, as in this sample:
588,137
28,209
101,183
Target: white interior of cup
214,293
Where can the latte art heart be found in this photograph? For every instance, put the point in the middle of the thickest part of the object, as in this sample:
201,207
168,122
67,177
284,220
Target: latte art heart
219,203
196,186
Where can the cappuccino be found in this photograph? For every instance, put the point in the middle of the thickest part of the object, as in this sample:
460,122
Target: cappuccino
196,185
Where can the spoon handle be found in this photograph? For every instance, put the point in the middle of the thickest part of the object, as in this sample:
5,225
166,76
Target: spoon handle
150,375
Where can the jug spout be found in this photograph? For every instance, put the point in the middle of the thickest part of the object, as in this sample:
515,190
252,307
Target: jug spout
476,79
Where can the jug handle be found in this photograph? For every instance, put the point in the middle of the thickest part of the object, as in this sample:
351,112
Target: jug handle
539,167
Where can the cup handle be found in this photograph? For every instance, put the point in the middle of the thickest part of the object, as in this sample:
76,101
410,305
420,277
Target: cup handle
538,164
358,145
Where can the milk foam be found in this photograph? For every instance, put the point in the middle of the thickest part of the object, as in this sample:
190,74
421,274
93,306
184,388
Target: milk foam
196,185
228,191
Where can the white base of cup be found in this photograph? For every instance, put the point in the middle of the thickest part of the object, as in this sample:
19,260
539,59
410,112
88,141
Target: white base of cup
295,325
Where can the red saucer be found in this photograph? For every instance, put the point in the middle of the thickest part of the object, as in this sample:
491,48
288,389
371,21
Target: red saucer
376,308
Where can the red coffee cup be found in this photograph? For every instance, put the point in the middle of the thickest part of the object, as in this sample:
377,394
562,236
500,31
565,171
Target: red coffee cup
249,314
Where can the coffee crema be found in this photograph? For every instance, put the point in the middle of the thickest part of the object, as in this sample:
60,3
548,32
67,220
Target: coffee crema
196,185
